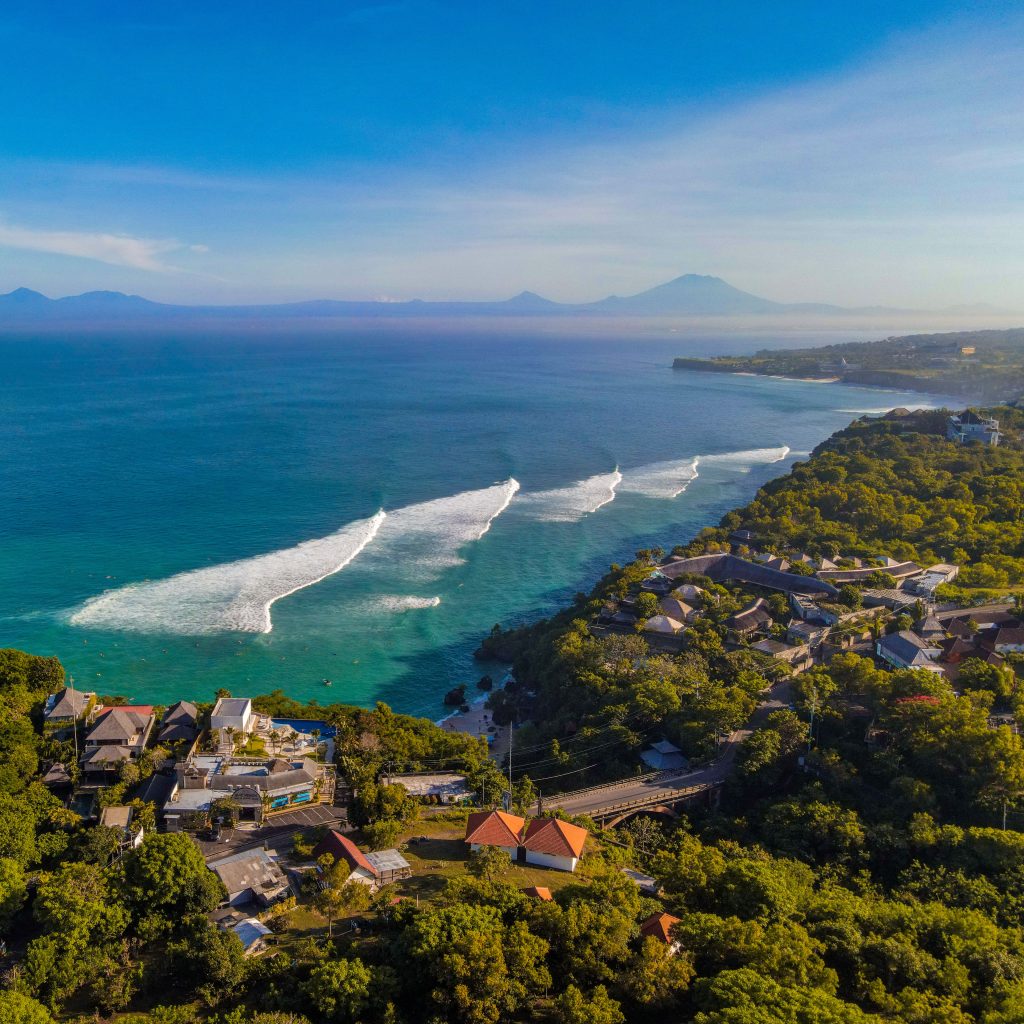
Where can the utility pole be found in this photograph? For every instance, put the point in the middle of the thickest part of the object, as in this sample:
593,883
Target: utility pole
511,730
74,724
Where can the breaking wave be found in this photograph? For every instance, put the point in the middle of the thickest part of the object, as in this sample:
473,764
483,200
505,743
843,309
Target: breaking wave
661,479
413,542
235,596
418,542
745,461
572,503
405,603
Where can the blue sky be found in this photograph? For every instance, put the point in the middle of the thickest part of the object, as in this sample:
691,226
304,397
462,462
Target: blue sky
243,152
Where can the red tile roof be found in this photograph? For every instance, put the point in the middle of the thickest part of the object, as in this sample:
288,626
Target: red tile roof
343,849
555,837
539,892
494,828
659,926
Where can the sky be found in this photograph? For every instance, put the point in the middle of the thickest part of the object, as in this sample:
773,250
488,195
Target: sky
859,154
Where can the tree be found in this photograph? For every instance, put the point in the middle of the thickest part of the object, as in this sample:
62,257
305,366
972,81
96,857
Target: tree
473,968
384,833
13,891
744,997
573,1007
654,976
339,897
16,1008
339,990
646,605
166,880
488,862
210,961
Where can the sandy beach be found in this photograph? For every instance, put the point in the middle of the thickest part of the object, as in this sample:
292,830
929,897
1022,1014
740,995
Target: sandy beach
477,721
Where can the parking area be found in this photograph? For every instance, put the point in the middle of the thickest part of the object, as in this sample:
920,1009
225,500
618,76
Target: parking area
278,830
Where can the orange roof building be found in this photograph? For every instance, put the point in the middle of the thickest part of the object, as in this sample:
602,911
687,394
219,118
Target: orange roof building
553,843
341,848
494,828
659,926
539,892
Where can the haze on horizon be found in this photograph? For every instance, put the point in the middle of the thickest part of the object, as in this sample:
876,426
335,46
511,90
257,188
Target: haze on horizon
820,152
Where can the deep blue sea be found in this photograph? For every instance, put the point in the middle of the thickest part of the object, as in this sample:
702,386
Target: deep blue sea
253,510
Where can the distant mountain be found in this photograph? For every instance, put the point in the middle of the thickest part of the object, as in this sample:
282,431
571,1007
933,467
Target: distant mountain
689,295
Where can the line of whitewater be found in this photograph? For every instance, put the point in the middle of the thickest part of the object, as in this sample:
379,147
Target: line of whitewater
513,486
238,596
374,528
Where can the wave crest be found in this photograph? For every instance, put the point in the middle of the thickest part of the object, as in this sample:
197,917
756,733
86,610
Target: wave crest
572,503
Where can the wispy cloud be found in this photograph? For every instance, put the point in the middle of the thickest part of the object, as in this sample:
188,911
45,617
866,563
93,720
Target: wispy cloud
896,182
118,250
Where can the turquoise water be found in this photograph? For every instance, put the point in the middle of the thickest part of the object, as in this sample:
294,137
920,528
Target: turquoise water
166,503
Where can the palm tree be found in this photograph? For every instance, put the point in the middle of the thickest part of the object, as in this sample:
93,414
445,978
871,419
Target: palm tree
230,732
275,740
315,733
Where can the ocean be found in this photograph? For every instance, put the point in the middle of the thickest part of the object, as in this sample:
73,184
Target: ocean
181,512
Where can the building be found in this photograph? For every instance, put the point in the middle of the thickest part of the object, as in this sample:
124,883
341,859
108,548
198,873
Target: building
343,850
664,756
180,724
931,579
233,713
798,656
553,843
62,710
907,650
120,818
657,583
495,828
372,869
119,735
689,592
659,926
968,427
674,608
808,610
647,884
445,787
897,570
929,628
752,619
258,786
805,634
252,934
1008,639
539,892
663,624
251,876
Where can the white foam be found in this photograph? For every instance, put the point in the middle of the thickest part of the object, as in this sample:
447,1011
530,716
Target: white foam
420,541
661,479
412,543
405,603
746,460
235,596
572,503
881,410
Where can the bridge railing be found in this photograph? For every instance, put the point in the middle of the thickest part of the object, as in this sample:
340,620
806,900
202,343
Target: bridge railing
664,797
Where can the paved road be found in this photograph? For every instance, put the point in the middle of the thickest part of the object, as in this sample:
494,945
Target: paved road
668,785
983,609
